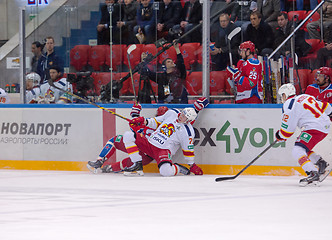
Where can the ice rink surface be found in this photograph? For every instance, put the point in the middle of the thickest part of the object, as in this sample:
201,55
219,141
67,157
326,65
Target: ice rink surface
51,205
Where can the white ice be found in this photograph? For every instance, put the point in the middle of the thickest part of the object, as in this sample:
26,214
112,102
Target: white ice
52,205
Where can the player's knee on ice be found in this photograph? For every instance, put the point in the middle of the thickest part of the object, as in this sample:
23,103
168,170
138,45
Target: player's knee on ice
167,170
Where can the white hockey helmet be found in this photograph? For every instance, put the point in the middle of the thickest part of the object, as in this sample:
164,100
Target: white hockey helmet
34,77
190,114
288,89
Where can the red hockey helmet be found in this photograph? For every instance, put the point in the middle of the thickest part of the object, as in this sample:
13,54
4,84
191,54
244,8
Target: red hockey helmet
161,110
247,45
325,71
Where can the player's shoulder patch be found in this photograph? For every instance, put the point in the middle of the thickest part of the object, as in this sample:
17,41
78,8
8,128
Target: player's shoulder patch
175,110
254,61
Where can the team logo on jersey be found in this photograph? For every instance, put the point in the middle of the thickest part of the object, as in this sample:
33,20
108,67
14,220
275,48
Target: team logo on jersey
305,137
283,125
167,130
118,138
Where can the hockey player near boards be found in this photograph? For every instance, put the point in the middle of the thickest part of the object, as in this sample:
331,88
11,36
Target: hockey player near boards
312,117
32,92
248,78
322,89
4,98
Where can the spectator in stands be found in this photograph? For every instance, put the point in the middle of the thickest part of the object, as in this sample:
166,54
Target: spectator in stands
128,21
171,82
103,27
220,54
327,20
323,55
191,16
146,22
37,50
168,16
241,13
285,28
260,33
48,60
299,4
269,10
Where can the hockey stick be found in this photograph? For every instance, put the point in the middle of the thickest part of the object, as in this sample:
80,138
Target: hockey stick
129,50
51,83
230,36
235,176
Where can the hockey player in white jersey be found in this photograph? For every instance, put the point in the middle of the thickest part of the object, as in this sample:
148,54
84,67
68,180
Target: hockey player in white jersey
172,130
4,98
311,116
32,92
49,94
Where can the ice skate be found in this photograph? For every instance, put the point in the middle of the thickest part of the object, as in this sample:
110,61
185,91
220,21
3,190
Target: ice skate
107,169
312,179
327,172
135,169
322,165
182,169
95,167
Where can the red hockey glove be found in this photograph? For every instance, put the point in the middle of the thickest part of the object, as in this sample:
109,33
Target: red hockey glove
196,169
201,103
137,123
279,138
136,110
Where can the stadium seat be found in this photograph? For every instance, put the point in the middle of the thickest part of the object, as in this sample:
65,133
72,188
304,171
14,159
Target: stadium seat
313,18
97,56
217,82
150,48
315,44
169,53
126,85
194,83
311,77
301,74
189,53
117,55
135,56
296,15
101,78
200,55
79,56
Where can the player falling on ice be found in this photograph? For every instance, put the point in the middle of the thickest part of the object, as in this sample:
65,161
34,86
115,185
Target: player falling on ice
117,143
312,117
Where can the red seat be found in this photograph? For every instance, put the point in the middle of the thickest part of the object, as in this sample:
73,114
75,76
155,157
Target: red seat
296,15
311,77
100,79
189,51
117,55
301,74
169,53
135,56
152,49
217,82
315,44
313,18
79,56
126,85
97,56
199,54
194,83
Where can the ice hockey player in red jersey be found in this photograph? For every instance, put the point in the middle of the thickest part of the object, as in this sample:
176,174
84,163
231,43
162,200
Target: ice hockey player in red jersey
322,89
312,117
248,76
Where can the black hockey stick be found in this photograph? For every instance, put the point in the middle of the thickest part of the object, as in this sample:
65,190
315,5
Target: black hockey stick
51,83
218,179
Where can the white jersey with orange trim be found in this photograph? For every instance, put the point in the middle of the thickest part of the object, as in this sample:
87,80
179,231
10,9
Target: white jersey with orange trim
170,134
4,98
305,112
55,95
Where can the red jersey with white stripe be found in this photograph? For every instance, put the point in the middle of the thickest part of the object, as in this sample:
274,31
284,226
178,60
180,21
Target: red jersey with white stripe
305,112
171,135
323,95
249,83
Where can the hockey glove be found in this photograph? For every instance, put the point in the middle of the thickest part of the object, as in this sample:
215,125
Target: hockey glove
136,110
201,103
196,169
234,73
137,123
279,138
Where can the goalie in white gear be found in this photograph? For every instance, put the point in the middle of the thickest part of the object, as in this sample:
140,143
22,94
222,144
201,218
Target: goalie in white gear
32,92
311,116
172,130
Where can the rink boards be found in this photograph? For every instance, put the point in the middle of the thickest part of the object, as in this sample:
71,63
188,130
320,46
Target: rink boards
227,137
